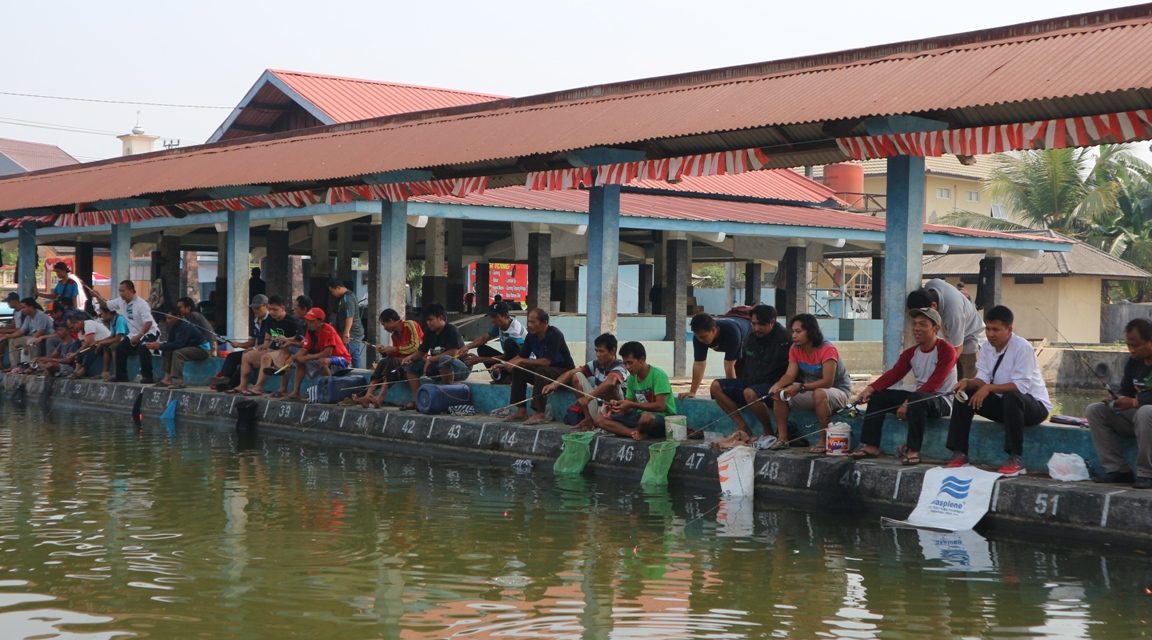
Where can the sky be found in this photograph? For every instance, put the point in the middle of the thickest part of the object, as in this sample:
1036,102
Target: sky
208,53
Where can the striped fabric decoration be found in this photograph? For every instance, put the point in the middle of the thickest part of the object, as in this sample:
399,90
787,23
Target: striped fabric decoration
114,216
667,169
402,191
1060,133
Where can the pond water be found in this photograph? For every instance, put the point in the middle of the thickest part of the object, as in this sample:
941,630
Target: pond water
108,531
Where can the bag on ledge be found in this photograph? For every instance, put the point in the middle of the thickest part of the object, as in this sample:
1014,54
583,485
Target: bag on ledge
333,389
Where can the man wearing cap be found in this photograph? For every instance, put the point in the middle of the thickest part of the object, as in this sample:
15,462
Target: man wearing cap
346,320
507,331
32,328
187,341
320,353
67,294
229,376
932,362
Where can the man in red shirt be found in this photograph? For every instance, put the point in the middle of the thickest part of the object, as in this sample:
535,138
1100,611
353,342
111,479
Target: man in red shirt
322,351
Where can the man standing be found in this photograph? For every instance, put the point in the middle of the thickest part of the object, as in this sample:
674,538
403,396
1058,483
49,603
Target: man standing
67,294
1007,388
724,334
933,365
543,357
346,320
764,360
320,353
961,325
436,355
600,379
256,284
187,342
509,334
1129,414
141,329
647,401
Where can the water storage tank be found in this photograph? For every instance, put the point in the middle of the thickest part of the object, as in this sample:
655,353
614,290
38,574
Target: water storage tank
847,180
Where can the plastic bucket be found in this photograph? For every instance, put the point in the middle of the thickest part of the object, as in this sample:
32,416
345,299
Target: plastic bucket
736,468
676,428
436,398
660,457
839,441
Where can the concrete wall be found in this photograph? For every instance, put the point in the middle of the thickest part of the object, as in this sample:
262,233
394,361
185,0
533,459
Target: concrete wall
1080,307
1116,316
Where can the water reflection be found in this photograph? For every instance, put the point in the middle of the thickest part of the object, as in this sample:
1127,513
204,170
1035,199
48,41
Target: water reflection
172,532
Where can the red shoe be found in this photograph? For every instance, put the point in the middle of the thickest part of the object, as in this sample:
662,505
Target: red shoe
1014,467
959,460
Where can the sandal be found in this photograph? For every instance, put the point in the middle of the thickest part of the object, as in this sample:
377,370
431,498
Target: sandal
779,445
271,394
861,453
820,450
910,460
411,406
250,393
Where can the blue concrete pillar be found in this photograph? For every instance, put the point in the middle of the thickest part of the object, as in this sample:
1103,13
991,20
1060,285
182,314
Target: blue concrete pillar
239,255
391,273
121,249
903,247
603,263
27,260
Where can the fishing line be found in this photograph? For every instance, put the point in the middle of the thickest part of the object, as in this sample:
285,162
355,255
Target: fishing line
1080,356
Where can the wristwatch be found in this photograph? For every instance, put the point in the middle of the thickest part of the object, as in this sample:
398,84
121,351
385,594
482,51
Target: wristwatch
803,387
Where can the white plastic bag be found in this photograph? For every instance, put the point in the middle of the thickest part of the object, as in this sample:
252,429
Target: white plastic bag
737,471
1067,467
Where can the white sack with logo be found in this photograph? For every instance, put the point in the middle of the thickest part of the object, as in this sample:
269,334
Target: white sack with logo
952,499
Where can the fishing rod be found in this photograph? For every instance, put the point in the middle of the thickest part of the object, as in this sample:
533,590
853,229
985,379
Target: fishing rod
219,338
538,375
1083,358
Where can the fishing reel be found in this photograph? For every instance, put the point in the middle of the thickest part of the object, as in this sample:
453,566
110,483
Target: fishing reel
961,395
851,412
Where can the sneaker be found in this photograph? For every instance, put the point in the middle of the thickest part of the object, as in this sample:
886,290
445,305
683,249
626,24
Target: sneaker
959,460
1142,483
1014,467
1115,477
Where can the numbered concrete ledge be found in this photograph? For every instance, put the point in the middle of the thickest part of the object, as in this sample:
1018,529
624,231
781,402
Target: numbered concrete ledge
1032,505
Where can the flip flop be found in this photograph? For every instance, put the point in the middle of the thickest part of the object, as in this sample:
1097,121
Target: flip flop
251,393
411,406
820,450
910,460
862,453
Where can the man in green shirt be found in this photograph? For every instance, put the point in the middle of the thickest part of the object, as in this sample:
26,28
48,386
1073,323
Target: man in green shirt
647,400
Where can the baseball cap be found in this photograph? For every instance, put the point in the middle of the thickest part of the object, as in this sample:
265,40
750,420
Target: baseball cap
929,313
315,313
258,299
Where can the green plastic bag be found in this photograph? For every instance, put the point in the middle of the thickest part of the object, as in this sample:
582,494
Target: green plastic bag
577,452
660,457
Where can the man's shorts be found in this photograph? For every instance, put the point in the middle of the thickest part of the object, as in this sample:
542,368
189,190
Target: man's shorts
837,400
312,368
734,389
459,369
632,421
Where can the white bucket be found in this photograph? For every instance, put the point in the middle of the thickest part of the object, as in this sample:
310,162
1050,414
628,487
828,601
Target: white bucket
676,427
839,441
737,471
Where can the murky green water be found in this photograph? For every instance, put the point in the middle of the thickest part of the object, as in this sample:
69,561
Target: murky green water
107,531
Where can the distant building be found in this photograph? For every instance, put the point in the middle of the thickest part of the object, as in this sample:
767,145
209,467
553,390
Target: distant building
18,156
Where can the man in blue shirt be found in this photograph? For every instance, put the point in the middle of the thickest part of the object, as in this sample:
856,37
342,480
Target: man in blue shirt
543,358
187,342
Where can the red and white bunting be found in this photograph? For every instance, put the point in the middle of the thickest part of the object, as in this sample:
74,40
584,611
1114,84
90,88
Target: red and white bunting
402,191
666,169
114,216
7,224
1083,131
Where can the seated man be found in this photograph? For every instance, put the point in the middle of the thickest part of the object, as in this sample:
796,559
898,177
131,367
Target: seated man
229,376
764,359
543,357
816,380
719,334
1128,414
508,332
647,400
270,350
321,351
141,330
1007,388
186,342
406,336
932,362
94,336
118,332
600,380
436,355
60,360
33,327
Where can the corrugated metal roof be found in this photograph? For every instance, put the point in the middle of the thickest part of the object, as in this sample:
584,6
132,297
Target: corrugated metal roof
1095,63
351,99
33,156
1082,260
774,184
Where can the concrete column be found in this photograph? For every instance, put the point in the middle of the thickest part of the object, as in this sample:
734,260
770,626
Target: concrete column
170,266
753,275
392,272
121,250
26,260
483,287
454,256
84,262
377,334
435,276
903,247
991,277
239,249
644,287
565,286
222,287
795,265
659,277
676,273
877,287
278,264
603,263
344,252
321,265
539,269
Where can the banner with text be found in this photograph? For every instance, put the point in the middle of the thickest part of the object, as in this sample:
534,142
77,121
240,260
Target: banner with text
951,499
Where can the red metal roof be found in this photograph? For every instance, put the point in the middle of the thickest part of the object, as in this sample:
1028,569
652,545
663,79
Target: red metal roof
33,156
774,184
350,99
1094,63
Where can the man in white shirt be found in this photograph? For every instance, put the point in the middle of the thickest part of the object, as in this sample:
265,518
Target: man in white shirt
136,311
1007,388
91,334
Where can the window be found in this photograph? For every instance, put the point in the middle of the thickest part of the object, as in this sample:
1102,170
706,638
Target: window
999,212
973,196
943,193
